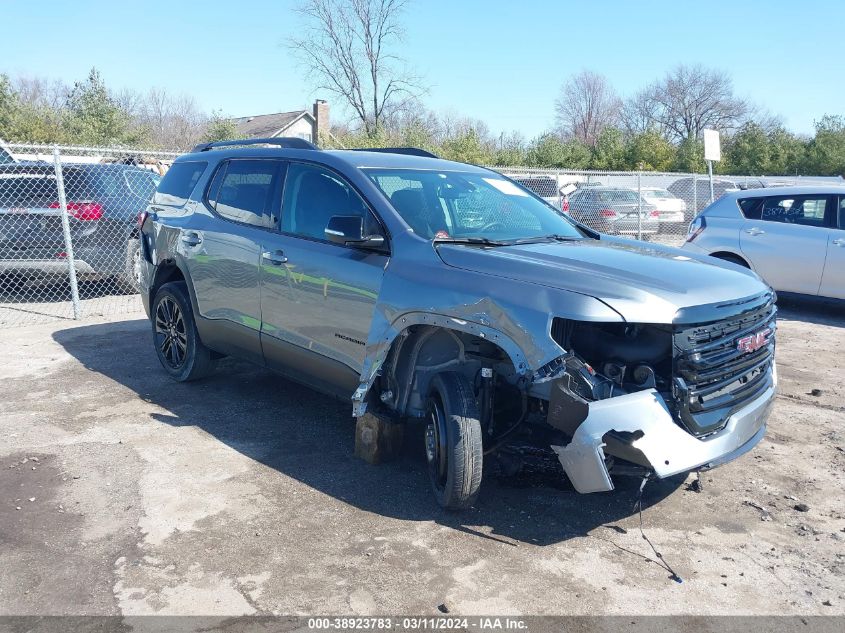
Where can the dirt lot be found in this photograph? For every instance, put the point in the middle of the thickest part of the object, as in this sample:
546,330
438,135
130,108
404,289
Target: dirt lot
124,493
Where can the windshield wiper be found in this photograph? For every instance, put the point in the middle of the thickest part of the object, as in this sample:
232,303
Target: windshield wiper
554,237
482,241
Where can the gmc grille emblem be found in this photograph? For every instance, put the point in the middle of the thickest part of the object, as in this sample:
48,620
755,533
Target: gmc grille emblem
753,342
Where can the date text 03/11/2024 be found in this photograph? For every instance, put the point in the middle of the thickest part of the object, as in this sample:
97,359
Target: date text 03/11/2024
421,623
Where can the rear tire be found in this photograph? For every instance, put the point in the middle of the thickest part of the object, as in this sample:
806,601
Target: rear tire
453,441
178,346
129,281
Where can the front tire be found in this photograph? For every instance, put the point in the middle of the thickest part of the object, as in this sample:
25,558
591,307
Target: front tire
453,441
178,346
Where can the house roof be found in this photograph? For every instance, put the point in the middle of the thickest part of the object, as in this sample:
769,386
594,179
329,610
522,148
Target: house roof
268,125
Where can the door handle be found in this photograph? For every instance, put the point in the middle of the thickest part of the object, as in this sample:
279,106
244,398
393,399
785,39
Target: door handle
839,242
276,257
191,238
755,231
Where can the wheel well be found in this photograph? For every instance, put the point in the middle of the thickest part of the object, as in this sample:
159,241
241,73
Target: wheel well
166,272
730,257
421,351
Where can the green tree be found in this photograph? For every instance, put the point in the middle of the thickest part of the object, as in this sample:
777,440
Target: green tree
747,151
787,152
609,151
690,156
93,117
549,150
220,128
650,151
8,105
826,151
467,147
509,150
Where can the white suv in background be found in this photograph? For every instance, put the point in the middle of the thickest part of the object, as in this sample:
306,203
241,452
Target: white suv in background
793,237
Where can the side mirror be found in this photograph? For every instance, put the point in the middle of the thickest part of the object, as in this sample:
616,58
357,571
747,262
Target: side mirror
349,231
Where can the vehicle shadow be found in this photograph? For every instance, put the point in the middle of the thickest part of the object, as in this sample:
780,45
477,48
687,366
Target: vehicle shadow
309,437
816,310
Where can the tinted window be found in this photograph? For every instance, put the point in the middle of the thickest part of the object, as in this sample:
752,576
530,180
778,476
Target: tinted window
313,195
750,207
179,181
242,191
141,182
543,187
804,210
842,213
28,190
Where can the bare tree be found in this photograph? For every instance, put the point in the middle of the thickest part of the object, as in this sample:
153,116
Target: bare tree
691,98
168,121
640,114
346,48
587,104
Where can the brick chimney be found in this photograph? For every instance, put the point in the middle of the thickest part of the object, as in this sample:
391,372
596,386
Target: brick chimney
321,117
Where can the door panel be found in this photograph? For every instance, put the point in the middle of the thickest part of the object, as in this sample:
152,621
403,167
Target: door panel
788,243
317,296
223,251
321,300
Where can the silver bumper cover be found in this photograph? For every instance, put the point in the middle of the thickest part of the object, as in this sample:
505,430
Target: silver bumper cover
667,447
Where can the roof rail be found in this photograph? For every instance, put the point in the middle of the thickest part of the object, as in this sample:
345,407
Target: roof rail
286,142
410,151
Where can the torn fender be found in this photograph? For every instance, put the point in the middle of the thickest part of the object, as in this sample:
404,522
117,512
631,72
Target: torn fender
668,448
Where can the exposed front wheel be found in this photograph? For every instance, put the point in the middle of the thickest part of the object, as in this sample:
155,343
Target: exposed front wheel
453,441
178,346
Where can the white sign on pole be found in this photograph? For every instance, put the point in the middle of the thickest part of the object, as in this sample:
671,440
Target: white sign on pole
712,148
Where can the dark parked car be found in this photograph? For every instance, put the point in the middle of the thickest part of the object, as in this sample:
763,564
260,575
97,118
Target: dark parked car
103,203
614,210
696,194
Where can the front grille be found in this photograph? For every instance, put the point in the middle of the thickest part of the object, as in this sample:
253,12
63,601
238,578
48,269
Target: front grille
712,376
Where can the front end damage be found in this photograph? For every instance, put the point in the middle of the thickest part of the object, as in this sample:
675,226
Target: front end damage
665,399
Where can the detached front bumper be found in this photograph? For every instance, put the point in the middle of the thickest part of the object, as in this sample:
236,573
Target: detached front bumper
659,441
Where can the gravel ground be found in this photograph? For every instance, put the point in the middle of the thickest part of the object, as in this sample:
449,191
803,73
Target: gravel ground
122,493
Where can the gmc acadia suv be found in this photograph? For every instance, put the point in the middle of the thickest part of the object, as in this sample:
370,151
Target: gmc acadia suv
416,287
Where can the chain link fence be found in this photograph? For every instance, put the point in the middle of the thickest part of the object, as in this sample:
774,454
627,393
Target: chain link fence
69,229
652,206
69,232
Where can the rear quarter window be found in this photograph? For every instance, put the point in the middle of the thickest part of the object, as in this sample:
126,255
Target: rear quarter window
750,207
178,183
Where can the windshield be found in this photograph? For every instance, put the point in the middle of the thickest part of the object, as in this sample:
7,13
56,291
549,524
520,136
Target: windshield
459,205
661,194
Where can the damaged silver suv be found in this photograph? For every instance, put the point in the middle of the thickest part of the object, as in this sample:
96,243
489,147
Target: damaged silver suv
419,288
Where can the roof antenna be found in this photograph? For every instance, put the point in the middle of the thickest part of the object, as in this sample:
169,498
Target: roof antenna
660,560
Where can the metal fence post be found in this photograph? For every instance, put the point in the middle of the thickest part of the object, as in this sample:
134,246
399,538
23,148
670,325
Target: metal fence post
60,185
639,206
694,195
710,173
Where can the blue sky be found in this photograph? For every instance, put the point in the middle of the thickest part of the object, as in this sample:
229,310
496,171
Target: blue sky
502,62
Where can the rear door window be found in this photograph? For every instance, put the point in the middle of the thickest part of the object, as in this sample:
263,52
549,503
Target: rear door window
178,183
804,210
243,191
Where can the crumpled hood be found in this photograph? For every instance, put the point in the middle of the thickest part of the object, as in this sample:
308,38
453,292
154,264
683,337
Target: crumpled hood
645,283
